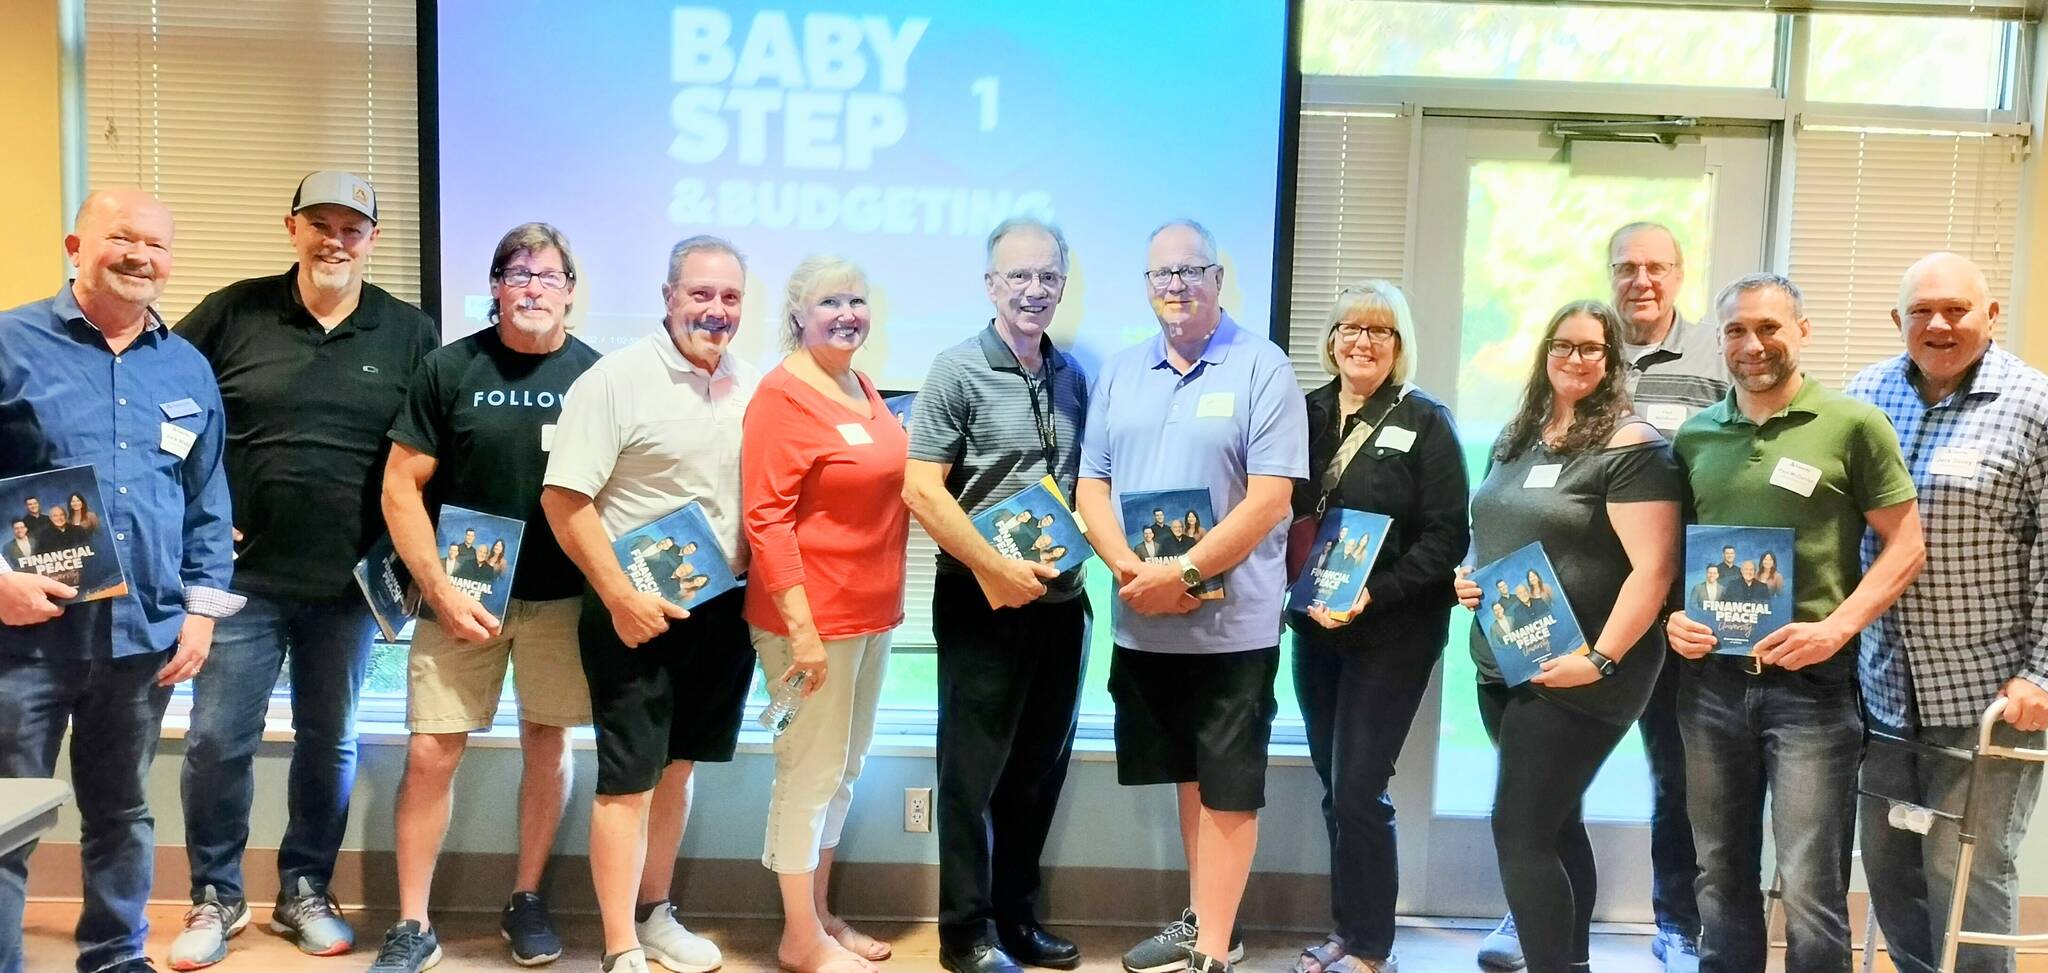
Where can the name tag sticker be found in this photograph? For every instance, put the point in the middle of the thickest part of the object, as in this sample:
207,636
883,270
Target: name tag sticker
547,438
1795,476
1956,461
1666,415
855,434
180,409
1542,477
1220,405
178,440
1395,438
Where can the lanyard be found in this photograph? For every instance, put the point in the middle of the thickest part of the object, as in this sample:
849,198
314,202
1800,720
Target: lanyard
1048,436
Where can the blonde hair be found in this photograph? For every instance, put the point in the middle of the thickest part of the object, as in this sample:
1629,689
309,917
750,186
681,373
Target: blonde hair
817,275
1374,297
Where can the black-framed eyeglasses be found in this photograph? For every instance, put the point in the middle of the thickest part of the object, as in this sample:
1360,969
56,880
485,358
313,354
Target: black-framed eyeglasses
1163,276
1020,279
1586,350
553,280
1379,333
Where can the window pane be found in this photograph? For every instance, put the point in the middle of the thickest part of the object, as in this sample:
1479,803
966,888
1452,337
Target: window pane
1477,40
1532,233
1937,62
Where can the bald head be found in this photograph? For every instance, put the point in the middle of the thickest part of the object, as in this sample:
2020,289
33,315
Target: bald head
1946,317
121,245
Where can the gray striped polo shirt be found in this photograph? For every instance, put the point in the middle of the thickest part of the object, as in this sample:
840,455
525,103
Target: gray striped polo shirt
1677,377
975,413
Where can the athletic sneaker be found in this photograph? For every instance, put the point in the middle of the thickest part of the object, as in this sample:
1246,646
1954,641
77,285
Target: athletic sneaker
630,961
1502,948
311,917
407,949
525,925
1678,952
1167,950
665,941
208,926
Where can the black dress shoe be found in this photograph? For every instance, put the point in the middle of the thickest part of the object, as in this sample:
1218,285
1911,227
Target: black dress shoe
979,958
1033,946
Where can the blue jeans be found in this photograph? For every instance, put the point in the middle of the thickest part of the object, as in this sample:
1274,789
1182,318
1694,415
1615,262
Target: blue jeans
1799,740
1911,876
327,644
115,711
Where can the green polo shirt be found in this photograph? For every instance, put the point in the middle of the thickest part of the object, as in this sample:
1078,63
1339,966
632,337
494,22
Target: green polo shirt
1750,475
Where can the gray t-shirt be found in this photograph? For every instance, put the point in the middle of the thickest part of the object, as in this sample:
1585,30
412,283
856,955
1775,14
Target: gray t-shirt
1674,379
979,412
1570,519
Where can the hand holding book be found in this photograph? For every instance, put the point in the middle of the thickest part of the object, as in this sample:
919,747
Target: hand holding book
27,598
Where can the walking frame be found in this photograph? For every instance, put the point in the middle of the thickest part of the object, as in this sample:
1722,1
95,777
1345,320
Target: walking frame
1969,824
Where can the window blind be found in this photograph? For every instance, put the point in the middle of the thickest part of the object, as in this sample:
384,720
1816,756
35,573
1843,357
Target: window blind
1350,219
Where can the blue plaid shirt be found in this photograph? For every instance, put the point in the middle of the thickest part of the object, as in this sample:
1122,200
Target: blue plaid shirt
67,400
1978,614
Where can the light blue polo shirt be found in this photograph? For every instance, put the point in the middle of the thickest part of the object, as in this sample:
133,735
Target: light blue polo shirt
1238,413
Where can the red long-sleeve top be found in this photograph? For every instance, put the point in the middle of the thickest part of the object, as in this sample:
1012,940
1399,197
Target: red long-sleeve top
822,499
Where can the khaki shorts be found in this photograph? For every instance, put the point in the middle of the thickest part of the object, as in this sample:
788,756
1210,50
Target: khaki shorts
454,686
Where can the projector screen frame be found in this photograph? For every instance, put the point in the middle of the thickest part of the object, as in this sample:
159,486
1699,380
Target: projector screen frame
428,74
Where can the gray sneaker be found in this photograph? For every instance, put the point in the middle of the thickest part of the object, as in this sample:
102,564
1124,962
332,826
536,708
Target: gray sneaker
208,926
312,918
1167,950
407,949
1502,948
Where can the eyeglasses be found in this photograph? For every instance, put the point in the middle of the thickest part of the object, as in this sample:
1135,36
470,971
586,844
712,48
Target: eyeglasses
1379,333
1590,351
1021,279
1627,270
553,280
1190,276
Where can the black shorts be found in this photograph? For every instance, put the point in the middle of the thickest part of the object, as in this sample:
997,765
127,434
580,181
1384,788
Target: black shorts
678,696
1202,718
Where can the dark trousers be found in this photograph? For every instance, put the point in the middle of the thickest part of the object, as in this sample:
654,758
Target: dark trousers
1358,704
1009,691
115,711
1548,755
1674,865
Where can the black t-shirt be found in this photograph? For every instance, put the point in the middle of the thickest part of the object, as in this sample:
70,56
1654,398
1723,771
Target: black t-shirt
307,411
480,408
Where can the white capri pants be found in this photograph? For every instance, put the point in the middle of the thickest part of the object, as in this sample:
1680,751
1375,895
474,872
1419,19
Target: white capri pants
820,754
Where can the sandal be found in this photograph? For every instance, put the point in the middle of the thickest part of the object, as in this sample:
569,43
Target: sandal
1320,959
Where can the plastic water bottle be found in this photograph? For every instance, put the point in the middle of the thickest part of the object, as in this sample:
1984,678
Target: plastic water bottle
782,703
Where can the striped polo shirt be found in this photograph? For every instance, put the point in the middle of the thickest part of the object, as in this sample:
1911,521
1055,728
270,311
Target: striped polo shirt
975,413
1672,380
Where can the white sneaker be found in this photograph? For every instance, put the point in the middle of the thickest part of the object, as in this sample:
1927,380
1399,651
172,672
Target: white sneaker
668,943
630,961
208,927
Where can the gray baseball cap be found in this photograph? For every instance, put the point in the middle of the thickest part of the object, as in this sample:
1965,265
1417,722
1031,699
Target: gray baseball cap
336,187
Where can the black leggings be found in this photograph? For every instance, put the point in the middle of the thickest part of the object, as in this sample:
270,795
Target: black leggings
1548,754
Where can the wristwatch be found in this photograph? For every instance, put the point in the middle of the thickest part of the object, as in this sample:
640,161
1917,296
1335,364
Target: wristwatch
1189,574
1603,664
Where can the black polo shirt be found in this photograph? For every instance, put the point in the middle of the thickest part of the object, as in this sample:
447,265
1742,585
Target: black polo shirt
307,412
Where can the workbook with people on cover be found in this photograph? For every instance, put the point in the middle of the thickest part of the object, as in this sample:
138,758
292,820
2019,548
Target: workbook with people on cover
1034,524
1524,614
1347,543
677,557
1738,582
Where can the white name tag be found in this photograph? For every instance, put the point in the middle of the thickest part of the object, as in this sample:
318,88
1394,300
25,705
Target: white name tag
1395,438
1666,415
1216,404
1956,461
1542,477
1795,476
547,438
178,440
855,434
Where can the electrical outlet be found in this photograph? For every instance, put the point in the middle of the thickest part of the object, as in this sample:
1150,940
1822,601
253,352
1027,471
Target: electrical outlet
917,809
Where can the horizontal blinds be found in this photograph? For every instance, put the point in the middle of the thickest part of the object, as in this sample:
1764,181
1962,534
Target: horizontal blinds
219,107
1350,219
1866,204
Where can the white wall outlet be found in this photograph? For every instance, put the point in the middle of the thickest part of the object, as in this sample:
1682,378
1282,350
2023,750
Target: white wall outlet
917,809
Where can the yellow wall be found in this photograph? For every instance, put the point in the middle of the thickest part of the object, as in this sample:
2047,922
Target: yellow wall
31,178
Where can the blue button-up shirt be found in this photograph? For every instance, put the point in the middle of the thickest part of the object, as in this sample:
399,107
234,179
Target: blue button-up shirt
1239,412
67,400
1977,615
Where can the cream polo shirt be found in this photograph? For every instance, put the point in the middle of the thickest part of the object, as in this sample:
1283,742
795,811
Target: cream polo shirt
644,432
